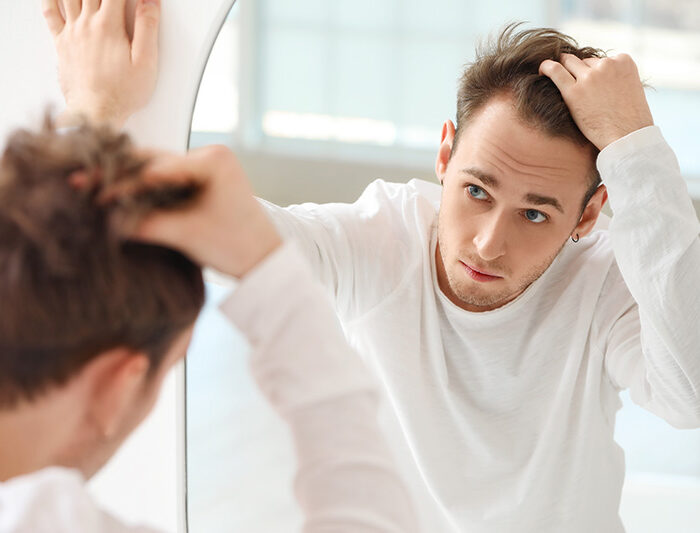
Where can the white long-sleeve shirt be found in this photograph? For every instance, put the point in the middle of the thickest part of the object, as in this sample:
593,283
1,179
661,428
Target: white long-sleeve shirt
503,420
347,480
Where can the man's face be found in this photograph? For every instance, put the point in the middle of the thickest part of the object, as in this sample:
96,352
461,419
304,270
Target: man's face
511,198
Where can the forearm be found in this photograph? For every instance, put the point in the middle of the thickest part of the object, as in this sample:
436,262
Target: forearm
346,479
654,232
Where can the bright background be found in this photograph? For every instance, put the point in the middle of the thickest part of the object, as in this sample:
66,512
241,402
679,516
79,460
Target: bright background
318,99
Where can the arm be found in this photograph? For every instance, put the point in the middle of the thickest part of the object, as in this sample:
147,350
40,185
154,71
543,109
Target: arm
341,243
652,344
346,478
302,362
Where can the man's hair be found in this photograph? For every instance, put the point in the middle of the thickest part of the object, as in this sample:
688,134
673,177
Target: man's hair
509,65
72,285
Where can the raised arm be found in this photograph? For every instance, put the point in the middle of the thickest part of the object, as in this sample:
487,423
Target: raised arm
652,345
346,478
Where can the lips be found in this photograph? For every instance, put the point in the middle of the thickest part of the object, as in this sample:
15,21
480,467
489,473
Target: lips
479,275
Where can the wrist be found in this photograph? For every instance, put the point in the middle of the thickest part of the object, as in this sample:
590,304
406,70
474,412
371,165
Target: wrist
75,116
258,249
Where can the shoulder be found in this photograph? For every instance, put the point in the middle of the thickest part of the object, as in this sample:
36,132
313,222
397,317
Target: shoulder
413,205
53,499
418,192
590,265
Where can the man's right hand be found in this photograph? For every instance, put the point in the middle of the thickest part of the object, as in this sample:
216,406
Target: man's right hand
225,228
104,76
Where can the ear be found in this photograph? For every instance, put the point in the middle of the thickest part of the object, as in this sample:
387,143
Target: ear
118,377
591,212
445,150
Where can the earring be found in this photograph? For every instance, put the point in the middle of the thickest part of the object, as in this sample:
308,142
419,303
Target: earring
576,239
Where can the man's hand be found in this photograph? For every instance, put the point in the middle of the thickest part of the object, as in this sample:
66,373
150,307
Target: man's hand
225,228
104,76
605,95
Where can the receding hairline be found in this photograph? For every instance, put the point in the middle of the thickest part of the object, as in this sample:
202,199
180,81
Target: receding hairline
506,95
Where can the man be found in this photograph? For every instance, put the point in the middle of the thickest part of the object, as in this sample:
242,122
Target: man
99,291
500,316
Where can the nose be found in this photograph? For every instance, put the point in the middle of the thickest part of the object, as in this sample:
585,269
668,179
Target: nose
491,236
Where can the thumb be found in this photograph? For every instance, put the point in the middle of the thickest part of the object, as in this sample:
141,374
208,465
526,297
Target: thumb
144,47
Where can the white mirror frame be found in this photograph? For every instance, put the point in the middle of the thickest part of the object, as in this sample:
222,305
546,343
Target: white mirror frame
146,481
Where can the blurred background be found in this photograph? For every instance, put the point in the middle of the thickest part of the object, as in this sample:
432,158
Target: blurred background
320,98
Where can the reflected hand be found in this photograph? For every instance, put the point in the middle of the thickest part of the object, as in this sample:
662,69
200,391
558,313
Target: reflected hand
605,95
225,228
104,76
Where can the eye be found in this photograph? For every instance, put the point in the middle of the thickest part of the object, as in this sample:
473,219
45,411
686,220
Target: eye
477,192
533,215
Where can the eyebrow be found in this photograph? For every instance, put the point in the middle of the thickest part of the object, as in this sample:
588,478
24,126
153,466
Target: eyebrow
531,198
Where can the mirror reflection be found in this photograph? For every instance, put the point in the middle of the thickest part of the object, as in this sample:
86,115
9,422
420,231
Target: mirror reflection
503,344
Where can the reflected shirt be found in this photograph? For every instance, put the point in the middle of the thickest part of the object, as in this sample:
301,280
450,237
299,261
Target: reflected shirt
503,420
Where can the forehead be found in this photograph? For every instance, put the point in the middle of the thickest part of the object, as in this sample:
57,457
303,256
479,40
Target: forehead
499,143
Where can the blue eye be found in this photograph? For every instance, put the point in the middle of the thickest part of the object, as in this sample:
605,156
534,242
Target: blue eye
476,192
533,215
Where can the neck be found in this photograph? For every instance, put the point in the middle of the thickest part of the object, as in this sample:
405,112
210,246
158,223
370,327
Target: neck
34,433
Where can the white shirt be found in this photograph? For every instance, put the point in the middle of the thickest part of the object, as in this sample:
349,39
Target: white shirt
503,420
346,481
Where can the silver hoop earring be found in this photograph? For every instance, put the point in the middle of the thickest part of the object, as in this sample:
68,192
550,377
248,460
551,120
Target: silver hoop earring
576,239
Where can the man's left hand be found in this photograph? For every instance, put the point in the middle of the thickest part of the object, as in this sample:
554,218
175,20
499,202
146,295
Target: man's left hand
104,76
605,95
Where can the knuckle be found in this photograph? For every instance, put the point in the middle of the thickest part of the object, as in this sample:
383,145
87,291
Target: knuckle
148,16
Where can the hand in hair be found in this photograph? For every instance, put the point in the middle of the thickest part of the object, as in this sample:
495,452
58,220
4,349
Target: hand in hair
605,95
104,76
223,227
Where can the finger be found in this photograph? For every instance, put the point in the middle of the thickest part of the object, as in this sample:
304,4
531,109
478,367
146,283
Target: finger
52,14
592,61
556,72
160,228
72,9
574,65
116,8
144,47
90,7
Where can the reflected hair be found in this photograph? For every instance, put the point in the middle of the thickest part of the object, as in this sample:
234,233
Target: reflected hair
72,284
508,64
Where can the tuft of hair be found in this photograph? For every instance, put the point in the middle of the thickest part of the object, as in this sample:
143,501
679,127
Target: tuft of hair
72,284
509,64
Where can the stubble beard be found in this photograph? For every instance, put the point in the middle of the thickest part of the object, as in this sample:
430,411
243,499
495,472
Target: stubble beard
481,295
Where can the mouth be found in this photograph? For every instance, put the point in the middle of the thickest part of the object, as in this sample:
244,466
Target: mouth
478,275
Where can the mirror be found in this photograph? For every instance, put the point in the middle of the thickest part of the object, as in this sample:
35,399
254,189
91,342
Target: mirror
318,100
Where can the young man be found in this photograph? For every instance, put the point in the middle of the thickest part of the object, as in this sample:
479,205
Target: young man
97,306
501,318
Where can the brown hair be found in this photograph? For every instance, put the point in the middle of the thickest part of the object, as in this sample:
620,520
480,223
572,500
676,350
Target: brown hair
509,64
71,284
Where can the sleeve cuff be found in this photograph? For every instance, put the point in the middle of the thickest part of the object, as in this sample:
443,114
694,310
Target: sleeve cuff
628,146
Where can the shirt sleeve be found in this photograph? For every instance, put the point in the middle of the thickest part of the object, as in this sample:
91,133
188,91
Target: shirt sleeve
340,242
346,479
653,345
